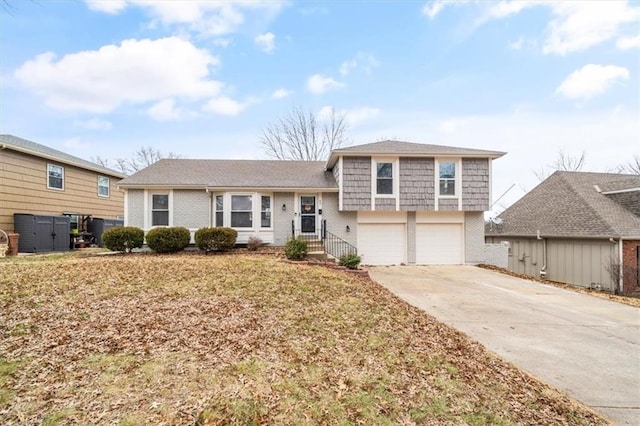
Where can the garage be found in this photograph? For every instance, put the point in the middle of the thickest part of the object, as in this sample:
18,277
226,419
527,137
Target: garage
439,244
381,242
440,238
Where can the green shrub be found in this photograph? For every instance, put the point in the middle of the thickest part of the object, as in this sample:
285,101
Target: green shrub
351,261
254,243
295,249
216,239
168,240
123,238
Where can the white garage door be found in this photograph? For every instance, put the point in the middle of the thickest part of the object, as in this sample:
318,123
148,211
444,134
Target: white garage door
382,243
439,244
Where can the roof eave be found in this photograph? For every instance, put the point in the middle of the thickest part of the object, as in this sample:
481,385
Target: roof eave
333,158
5,145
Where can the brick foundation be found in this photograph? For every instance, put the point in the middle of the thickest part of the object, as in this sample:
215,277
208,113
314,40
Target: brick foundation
630,266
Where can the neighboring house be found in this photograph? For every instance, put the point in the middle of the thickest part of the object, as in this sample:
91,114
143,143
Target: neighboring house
577,228
397,202
38,180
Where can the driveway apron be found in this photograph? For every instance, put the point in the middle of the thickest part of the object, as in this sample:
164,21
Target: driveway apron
586,346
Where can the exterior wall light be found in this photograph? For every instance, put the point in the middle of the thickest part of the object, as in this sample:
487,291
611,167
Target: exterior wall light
284,207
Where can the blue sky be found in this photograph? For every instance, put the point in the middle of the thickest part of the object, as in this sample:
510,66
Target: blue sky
203,79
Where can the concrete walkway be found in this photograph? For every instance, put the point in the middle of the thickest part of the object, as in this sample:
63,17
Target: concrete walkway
583,345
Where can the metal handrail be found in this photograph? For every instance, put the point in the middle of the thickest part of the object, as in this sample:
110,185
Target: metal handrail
336,246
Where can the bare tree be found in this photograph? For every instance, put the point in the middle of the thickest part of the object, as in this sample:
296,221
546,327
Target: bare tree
633,166
142,158
564,162
300,135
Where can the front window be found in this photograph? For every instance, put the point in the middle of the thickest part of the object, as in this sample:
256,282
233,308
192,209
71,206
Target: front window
241,211
103,186
219,210
384,183
265,212
55,179
447,173
160,210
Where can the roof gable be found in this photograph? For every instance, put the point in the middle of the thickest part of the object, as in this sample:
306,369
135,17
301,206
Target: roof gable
391,147
42,151
570,204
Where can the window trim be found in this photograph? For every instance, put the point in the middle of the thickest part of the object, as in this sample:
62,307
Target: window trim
394,177
269,210
168,209
457,187
216,211
49,165
251,210
108,194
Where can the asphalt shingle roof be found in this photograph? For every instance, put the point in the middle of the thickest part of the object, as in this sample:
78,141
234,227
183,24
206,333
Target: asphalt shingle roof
392,147
569,204
33,148
233,174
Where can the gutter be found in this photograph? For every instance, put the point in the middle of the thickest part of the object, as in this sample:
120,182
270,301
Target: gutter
621,273
543,270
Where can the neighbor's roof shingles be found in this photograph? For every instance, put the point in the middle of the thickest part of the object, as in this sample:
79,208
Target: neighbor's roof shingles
32,148
270,174
568,204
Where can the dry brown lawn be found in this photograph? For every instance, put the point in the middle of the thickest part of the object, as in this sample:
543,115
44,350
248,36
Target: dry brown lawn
199,340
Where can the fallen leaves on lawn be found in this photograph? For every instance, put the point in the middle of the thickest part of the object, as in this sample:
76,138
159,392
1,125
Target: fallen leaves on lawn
196,339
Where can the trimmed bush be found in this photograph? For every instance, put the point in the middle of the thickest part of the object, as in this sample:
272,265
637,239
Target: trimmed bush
123,238
254,243
216,239
295,249
168,240
351,261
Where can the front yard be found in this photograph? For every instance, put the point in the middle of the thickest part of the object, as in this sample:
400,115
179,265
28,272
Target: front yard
194,339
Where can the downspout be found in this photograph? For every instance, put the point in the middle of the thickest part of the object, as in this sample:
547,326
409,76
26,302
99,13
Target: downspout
621,273
543,270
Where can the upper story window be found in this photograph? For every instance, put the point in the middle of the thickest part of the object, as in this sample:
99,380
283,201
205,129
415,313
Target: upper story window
55,177
241,211
384,178
265,212
160,210
447,174
219,210
103,186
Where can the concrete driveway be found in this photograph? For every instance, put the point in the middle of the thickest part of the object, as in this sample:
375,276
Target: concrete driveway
585,346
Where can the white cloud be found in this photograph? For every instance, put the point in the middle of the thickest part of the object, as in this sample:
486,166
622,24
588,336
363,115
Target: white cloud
111,7
575,26
319,83
433,8
136,71
165,110
581,25
591,80
625,43
224,106
281,93
363,60
266,42
208,18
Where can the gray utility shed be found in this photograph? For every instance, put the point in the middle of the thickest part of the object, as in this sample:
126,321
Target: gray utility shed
577,228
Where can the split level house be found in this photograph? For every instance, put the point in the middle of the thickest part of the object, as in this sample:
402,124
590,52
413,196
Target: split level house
392,202
577,228
47,195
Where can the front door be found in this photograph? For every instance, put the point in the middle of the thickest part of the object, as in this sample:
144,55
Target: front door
308,214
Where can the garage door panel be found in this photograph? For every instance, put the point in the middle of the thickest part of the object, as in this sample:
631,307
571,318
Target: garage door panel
439,244
382,243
